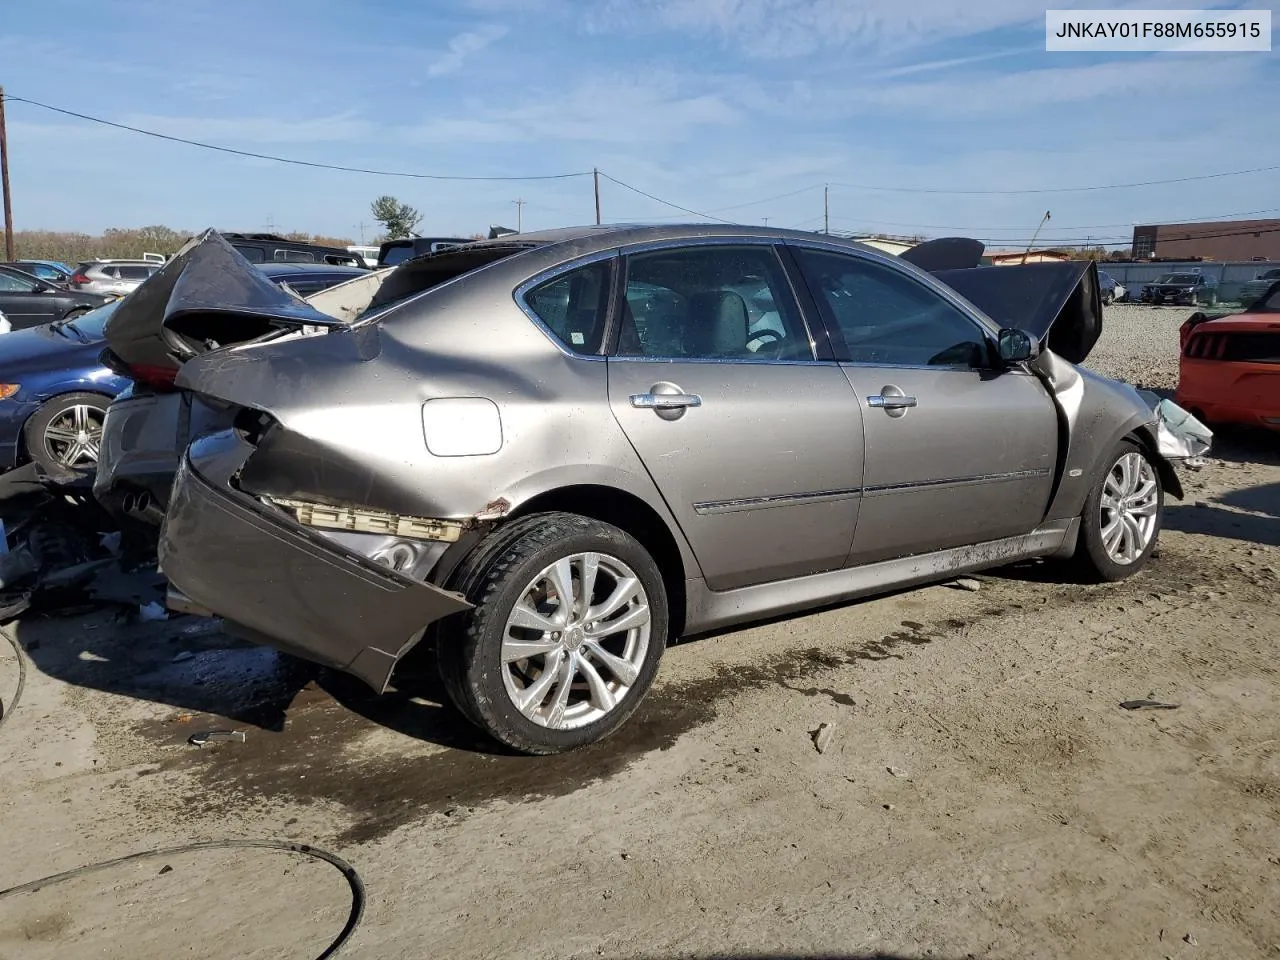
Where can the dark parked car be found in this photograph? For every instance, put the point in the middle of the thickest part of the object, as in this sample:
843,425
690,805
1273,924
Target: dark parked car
393,252
1191,289
47,270
500,455
270,248
55,389
29,301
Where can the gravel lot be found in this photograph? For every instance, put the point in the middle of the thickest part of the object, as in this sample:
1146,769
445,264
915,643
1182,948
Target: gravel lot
1140,344
983,793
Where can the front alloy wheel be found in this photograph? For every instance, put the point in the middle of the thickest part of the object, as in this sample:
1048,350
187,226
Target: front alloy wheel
1122,516
569,623
1128,508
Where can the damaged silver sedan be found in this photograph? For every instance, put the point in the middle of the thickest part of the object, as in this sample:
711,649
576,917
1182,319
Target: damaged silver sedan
552,453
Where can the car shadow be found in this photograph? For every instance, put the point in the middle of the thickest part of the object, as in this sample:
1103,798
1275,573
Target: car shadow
186,663
417,706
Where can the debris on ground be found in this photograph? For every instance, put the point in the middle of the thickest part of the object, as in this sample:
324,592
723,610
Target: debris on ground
59,548
1147,705
210,736
966,583
822,737
1190,940
896,772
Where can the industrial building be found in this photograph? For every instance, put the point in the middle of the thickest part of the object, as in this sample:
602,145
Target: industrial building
1221,240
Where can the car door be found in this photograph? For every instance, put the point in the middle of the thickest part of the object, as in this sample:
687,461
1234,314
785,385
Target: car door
26,301
957,449
755,445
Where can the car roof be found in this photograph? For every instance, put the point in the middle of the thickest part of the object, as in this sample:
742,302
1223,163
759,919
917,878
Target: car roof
595,237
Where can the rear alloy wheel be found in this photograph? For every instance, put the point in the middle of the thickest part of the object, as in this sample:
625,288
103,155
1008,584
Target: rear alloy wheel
1123,515
66,433
569,624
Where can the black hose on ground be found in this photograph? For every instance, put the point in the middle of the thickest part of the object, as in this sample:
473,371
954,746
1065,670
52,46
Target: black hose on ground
348,871
6,710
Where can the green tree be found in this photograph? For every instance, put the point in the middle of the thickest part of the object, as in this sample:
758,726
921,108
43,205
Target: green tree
398,218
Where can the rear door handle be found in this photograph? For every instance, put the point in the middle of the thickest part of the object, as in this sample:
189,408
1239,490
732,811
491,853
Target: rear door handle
890,402
665,401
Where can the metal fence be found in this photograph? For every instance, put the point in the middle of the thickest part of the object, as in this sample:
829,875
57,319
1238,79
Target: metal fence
1231,274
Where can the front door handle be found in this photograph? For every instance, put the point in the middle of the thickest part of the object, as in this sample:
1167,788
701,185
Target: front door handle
891,402
665,401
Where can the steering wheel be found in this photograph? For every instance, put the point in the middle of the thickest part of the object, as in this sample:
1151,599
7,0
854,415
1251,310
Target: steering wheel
762,337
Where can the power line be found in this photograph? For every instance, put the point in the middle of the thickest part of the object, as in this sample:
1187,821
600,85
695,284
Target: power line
1080,226
290,160
1104,186
781,196
668,203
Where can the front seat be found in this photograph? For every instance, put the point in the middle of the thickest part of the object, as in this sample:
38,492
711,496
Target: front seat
719,325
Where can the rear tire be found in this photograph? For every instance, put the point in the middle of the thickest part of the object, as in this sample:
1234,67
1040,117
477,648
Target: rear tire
1122,516
578,681
65,434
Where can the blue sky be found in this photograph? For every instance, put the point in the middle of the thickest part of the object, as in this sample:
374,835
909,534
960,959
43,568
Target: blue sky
711,104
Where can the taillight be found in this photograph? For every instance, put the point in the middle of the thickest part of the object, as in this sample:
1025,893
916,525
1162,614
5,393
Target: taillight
78,278
159,379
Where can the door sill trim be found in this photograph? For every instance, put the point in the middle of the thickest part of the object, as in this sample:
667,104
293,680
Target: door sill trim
712,610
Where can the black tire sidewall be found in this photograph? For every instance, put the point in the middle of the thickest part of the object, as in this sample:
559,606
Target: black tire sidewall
1098,565
470,653
33,430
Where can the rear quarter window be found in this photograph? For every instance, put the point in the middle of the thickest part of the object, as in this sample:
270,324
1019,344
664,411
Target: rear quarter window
573,306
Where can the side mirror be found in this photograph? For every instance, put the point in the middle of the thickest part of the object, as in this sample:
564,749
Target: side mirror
1017,346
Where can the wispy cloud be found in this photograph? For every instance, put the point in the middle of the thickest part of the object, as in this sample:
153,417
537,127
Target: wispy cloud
463,46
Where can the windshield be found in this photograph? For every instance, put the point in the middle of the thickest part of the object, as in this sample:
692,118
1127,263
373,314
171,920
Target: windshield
90,324
1178,278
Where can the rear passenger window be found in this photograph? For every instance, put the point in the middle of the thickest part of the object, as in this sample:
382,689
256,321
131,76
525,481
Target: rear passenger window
135,273
573,305
252,254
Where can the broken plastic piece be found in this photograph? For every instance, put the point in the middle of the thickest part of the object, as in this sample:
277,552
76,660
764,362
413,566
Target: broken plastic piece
148,612
370,521
1148,704
1179,435
208,736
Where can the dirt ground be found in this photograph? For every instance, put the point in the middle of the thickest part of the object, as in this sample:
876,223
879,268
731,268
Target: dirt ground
983,793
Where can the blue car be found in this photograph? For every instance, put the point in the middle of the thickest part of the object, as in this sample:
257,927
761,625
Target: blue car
54,390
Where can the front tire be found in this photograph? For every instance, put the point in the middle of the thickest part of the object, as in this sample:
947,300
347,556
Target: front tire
569,624
1122,516
66,433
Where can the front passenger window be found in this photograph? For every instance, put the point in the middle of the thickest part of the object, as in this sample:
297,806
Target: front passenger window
888,317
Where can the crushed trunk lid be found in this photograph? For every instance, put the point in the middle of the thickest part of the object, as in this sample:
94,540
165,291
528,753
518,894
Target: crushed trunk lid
208,296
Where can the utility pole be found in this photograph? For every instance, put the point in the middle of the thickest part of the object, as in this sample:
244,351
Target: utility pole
4,183
595,175
361,226
766,221
826,209
519,214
